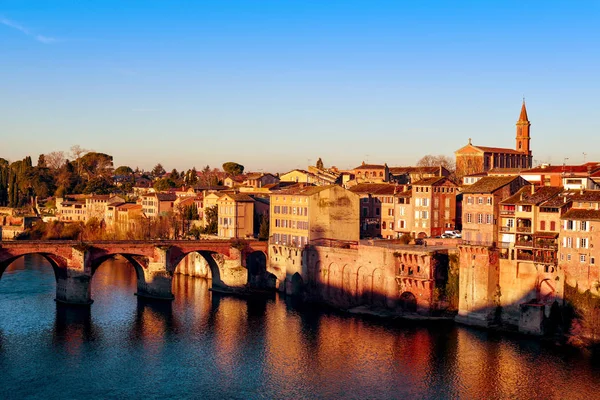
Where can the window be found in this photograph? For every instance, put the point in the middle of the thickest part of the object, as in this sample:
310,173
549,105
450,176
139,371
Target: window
469,217
425,214
582,258
365,212
425,202
469,200
489,201
568,257
584,225
488,219
447,202
391,225
569,225
542,225
569,242
592,260
480,218
480,200
383,224
583,243
510,223
377,211
552,225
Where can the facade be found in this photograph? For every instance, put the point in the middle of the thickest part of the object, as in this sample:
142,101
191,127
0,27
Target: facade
574,177
434,205
308,215
579,250
128,216
157,204
313,176
404,212
236,215
481,208
371,173
377,211
472,159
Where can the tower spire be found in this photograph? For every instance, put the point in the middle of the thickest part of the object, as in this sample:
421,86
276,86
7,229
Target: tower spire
523,116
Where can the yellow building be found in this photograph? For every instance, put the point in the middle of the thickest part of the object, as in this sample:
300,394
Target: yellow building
302,215
236,215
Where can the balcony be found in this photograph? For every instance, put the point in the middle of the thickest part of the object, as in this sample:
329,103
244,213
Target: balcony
539,244
507,212
524,229
524,256
507,229
524,243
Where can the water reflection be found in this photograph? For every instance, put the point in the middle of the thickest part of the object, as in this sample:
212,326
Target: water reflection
212,346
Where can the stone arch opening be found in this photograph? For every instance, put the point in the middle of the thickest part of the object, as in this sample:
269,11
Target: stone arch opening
297,285
114,270
57,263
362,284
206,266
408,302
422,235
135,260
256,264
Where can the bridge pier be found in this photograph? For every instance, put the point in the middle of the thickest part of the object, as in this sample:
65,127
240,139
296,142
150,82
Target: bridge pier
156,283
74,289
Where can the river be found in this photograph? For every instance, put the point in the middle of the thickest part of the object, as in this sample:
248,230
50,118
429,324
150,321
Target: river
204,345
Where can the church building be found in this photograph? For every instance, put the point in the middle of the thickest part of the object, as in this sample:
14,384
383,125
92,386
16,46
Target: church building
472,159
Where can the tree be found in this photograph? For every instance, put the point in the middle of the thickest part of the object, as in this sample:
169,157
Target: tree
437,161
55,160
233,168
158,171
123,170
263,231
76,153
163,184
320,164
41,161
212,220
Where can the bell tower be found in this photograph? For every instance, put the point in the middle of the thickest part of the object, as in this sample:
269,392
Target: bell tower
523,137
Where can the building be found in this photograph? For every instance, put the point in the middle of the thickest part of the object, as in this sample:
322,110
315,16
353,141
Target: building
568,176
527,232
128,216
580,241
314,214
377,211
404,212
157,204
472,159
313,176
258,180
407,175
236,215
434,205
481,207
371,173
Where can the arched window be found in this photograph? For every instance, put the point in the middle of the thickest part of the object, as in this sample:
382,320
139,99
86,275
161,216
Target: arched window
383,224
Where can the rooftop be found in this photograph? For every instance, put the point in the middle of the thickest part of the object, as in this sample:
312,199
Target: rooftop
436,180
524,195
489,184
588,215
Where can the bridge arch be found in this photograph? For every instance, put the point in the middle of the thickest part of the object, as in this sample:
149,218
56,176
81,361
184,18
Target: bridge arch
408,302
139,263
208,256
57,263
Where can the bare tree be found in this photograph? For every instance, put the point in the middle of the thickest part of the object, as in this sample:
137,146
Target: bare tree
55,160
76,153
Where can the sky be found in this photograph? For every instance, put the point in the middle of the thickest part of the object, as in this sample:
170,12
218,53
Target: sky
274,85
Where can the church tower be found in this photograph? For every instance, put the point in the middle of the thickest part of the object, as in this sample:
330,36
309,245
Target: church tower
523,137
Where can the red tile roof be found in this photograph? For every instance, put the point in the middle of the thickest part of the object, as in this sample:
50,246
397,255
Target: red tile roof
593,215
498,150
524,195
489,184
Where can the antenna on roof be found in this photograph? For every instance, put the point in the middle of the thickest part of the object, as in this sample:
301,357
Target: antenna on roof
584,154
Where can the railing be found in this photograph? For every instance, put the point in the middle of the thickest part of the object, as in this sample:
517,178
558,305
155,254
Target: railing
552,246
524,257
524,243
507,229
526,229
479,243
507,212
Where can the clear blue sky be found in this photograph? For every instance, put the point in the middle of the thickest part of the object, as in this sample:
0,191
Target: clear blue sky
274,84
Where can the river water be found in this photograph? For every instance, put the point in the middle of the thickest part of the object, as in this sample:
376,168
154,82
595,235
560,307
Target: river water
203,345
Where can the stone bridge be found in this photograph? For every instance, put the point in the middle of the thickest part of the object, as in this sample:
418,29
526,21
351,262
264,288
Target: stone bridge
75,263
